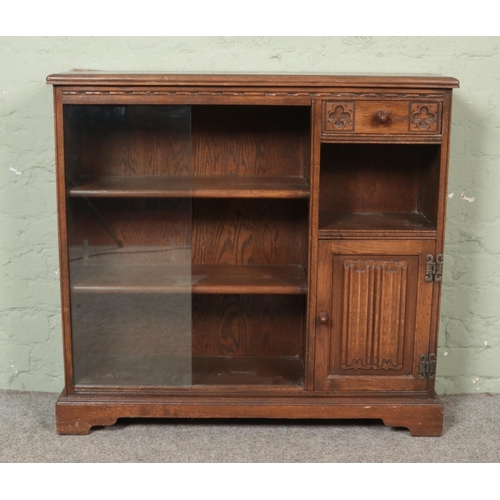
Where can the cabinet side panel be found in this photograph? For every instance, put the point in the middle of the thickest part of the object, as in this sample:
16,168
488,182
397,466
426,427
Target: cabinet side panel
442,197
63,239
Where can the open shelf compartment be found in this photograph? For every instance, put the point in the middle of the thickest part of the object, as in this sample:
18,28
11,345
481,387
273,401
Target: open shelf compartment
234,246
379,190
187,151
141,340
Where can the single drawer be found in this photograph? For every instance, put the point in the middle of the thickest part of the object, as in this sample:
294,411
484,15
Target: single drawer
381,117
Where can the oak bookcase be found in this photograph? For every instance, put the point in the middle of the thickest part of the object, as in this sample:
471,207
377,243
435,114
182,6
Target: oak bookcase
251,246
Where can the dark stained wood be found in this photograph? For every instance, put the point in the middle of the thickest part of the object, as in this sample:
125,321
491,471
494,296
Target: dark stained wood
219,231
248,325
441,187
250,232
142,230
171,370
422,416
129,278
63,237
92,78
377,308
246,141
248,370
304,245
385,117
201,278
151,96
375,225
259,279
127,141
376,178
376,314
196,187
250,140
379,139
313,243
429,196
441,165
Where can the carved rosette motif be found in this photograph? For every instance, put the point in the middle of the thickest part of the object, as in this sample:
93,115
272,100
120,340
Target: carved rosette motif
373,316
339,116
424,117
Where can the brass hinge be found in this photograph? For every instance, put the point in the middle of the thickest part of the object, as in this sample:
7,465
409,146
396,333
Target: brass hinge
427,368
434,269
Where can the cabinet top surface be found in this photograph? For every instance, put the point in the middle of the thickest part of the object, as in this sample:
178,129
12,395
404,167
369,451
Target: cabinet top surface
93,78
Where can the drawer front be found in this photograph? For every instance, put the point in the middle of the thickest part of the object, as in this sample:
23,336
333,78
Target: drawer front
381,117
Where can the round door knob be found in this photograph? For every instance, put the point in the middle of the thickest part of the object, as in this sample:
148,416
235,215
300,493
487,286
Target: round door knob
323,317
382,117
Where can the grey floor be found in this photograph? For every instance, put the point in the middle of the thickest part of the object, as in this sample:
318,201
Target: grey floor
27,434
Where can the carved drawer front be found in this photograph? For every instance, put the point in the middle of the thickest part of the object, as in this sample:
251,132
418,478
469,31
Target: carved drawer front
381,117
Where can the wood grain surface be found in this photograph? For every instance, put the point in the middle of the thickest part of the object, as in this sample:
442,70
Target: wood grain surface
248,325
186,187
198,279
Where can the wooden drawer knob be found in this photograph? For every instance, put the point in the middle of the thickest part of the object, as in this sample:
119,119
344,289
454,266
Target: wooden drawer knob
382,117
323,317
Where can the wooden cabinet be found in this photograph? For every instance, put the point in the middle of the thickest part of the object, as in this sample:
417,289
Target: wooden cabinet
250,246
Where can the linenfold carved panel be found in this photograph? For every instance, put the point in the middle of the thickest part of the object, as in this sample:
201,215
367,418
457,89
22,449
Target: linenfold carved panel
373,316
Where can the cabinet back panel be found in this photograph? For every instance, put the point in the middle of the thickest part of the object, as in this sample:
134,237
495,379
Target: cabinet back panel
248,325
378,178
127,140
156,140
251,140
246,232
221,231
157,230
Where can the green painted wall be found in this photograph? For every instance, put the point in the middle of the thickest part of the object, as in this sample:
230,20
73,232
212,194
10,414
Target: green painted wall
30,328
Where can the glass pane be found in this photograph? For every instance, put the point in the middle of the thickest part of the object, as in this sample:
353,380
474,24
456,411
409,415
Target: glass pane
129,244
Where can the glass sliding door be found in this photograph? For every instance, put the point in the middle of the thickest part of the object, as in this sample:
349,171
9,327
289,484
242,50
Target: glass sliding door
129,238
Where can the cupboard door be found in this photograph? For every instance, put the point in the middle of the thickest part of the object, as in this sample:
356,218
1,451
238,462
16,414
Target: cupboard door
373,316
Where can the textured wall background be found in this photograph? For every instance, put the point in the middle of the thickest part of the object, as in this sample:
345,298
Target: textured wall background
30,329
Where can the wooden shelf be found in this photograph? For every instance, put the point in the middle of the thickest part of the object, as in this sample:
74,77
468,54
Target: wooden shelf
334,225
196,187
198,279
248,370
112,370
